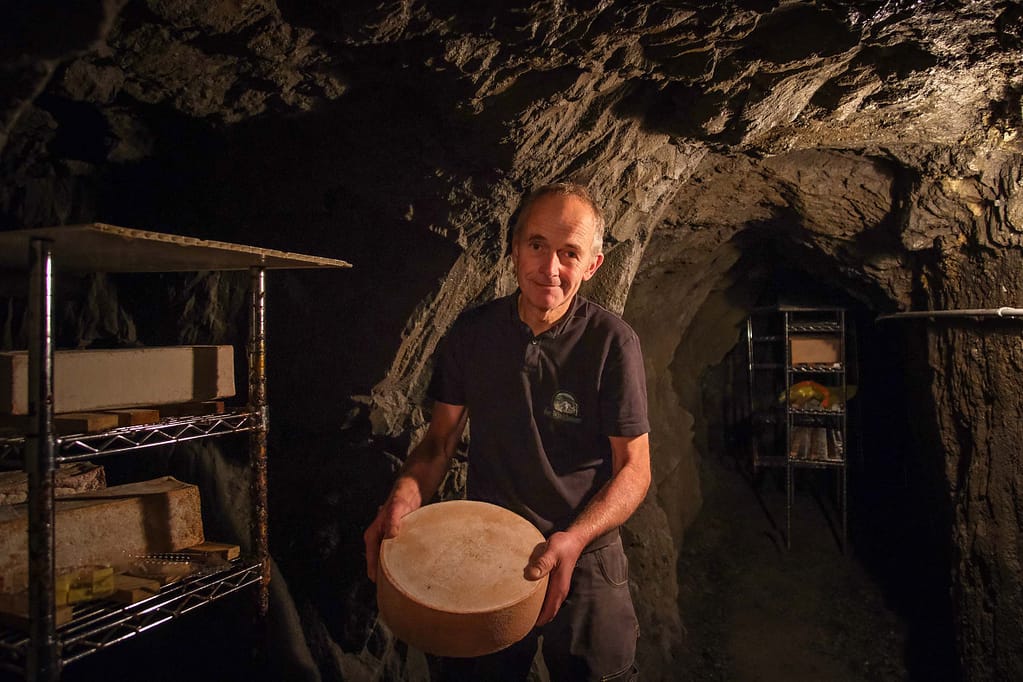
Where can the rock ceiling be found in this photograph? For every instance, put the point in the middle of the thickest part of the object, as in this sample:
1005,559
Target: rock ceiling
876,144
686,115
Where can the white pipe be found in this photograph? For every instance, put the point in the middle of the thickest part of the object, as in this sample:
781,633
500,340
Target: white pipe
963,312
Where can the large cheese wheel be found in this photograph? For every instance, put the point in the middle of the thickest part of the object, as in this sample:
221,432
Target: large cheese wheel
452,583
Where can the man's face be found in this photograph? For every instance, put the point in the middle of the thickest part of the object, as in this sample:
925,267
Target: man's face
553,253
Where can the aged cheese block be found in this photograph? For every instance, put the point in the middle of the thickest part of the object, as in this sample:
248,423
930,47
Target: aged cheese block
452,582
106,526
129,589
815,350
91,380
69,479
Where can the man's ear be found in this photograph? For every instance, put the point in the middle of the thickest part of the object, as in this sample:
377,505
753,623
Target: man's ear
597,260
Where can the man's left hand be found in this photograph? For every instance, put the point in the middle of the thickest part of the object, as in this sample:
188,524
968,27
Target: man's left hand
558,559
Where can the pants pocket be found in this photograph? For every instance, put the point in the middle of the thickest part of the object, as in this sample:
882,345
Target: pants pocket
630,674
614,565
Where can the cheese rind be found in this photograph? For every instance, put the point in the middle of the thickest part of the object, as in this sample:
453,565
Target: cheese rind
103,379
107,526
452,582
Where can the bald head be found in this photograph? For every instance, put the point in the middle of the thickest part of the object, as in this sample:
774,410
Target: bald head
564,189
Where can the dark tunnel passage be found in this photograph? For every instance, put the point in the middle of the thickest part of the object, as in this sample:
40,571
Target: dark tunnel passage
899,520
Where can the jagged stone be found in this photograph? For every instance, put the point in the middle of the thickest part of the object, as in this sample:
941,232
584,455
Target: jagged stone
874,146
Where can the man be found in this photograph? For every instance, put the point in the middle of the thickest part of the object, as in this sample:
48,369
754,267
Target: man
555,388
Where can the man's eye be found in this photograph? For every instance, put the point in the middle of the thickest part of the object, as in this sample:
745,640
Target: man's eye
535,246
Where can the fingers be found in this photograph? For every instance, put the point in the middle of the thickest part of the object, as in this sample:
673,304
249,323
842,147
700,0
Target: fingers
557,592
541,562
551,605
555,558
384,526
372,540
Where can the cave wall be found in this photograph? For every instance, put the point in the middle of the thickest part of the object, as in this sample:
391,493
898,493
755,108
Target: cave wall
873,145
976,390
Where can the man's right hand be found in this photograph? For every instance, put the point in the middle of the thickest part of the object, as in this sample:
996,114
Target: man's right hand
386,525
419,478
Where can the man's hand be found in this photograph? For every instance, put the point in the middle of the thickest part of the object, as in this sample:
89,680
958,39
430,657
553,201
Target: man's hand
386,525
418,480
557,558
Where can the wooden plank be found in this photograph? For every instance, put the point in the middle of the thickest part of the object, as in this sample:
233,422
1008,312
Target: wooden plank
163,572
129,589
98,247
84,422
65,423
191,409
213,551
136,416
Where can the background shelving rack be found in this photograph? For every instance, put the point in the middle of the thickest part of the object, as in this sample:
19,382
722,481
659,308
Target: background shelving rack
42,651
772,374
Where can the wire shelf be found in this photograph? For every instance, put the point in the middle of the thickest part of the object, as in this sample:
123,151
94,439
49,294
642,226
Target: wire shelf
814,327
820,413
806,463
97,625
79,447
808,368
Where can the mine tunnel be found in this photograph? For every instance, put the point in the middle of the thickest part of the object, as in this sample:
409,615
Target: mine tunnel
750,158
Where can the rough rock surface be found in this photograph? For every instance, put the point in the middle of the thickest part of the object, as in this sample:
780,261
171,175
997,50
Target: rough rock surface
874,146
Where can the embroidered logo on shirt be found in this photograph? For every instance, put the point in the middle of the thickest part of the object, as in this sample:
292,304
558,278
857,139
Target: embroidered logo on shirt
564,407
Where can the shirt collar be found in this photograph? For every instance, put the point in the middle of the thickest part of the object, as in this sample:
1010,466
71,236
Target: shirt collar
577,309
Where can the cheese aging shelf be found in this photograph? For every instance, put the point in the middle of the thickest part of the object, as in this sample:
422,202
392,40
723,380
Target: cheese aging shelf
41,651
78,447
100,624
797,383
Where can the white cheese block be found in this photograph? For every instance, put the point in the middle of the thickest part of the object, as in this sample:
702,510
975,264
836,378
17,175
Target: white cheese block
452,583
108,526
102,379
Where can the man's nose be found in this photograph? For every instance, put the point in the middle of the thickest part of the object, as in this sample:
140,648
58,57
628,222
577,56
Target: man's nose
551,265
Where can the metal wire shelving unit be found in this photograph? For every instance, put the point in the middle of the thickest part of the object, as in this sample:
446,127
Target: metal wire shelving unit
78,447
41,652
774,422
100,624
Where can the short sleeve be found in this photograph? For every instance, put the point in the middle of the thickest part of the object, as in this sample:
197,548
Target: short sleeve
623,397
447,384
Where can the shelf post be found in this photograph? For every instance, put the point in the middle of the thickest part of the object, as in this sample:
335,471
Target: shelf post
257,437
40,464
789,476
844,472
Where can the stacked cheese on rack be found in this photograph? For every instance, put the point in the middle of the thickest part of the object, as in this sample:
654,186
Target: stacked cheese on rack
106,527
102,388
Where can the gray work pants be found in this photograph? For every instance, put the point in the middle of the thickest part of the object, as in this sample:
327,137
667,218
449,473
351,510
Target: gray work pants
592,638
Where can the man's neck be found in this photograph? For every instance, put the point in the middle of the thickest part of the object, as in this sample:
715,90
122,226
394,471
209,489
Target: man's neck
540,321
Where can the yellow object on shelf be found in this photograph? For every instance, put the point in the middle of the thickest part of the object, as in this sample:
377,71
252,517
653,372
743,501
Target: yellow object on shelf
84,584
827,397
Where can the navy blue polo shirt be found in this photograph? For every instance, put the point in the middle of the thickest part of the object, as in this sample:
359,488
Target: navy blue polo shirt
541,408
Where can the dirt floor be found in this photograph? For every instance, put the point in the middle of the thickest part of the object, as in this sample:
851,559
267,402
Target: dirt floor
754,611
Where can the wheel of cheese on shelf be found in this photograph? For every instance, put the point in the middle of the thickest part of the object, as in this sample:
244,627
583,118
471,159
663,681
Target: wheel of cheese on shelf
452,583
